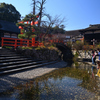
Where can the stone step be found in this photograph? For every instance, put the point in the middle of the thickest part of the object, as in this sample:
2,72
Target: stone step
16,62
10,57
9,67
25,68
13,60
10,62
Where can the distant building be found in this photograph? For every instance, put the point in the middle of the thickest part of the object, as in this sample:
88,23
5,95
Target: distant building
90,33
74,35
71,36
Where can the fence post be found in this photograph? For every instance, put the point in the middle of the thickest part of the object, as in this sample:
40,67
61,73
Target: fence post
28,43
15,43
2,42
57,41
33,41
37,43
21,44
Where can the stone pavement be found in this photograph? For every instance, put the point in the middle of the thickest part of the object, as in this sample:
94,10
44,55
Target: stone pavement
9,81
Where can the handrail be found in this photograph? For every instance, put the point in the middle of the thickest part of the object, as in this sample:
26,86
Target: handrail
15,42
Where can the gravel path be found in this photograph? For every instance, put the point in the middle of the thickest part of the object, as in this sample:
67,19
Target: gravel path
9,81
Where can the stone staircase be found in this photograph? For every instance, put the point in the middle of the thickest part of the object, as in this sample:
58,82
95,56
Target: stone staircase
10,62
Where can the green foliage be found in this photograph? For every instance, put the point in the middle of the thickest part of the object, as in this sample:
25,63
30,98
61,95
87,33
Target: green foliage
26,47
29,17
27,30
97,46
57,29
9,13
20,24
76,54
69,44
25,36
86,43
21,36
7,47
78,45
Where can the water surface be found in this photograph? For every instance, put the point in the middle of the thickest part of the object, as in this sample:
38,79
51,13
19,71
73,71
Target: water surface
76,81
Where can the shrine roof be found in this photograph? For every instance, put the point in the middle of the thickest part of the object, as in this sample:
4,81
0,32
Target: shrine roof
9,27
95,27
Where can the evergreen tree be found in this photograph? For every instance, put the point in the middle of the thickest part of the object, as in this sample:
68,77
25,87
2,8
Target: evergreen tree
9,13
29,28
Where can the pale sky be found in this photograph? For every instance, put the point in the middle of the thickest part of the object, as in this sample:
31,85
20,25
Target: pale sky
79,14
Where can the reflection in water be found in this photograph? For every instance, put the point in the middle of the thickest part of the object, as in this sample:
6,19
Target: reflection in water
75,82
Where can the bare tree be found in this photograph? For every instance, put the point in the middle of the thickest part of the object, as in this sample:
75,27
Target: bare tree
34,6
40,8
38,5
52,22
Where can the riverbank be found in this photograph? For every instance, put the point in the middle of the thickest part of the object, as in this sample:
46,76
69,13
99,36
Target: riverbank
8,82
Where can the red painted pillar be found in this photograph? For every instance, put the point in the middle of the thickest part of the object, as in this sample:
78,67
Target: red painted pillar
15,43
57,40
2,42
28,43
21,42
33,41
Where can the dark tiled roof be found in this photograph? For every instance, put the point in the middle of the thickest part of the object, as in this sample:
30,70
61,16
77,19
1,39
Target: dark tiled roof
9,26
91,28
72,33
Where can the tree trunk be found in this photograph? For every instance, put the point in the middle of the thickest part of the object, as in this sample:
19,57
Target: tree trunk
34,3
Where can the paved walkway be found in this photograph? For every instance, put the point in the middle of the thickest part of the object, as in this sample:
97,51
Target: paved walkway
9,81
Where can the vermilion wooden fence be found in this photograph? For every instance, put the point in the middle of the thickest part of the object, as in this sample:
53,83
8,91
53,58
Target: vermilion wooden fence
20,42
56,41
14,42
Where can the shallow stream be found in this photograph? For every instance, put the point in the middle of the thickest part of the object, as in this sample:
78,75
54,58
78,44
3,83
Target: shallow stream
76,81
